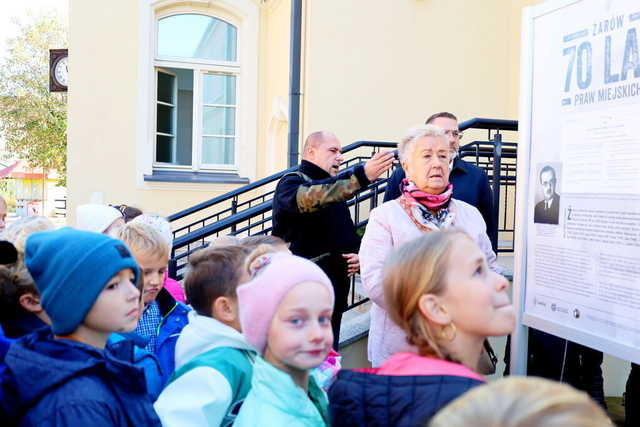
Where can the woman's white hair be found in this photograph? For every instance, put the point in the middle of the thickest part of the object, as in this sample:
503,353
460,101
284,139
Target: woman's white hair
407,143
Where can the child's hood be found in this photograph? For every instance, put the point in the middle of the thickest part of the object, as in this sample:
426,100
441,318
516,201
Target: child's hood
204,333
37,364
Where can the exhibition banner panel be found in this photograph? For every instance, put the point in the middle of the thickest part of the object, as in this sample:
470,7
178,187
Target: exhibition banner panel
580,267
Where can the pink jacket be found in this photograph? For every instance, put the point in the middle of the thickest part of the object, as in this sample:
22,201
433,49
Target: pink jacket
174,288
389,228
406,363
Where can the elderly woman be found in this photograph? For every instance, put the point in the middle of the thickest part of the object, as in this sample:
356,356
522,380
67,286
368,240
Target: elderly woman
424,206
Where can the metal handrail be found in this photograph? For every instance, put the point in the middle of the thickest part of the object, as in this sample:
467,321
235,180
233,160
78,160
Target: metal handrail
271,178
475,123
490,124
251,215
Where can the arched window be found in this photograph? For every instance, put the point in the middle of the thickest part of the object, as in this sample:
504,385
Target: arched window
197,72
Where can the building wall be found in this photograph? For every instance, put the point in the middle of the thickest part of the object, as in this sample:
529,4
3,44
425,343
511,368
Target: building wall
101,109
108,153
371,68
376,67
274,85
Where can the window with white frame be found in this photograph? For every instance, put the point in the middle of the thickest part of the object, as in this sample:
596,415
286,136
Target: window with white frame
197,72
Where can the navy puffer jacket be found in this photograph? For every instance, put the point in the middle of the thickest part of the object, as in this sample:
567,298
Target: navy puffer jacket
408,397
54,382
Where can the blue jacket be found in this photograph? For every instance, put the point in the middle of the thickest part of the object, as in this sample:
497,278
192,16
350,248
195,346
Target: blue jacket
4,345
174,319
22,323
143,359
470,184
406,391
56,382
4,348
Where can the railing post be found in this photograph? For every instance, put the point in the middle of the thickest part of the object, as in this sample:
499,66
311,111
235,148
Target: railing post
173,267
497,160
234,210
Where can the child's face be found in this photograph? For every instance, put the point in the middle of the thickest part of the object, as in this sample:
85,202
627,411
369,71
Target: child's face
475,297
152,268
300,335
117,308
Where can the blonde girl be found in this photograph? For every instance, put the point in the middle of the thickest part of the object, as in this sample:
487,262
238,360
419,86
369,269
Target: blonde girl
441,292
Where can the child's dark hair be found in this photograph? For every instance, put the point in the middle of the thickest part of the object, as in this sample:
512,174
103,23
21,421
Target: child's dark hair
253,242
15,281
213,273
128,212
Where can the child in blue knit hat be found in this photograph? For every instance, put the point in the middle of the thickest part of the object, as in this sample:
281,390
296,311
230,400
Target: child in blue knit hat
66,375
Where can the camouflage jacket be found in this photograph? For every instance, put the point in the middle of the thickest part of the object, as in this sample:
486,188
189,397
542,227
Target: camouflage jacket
310,210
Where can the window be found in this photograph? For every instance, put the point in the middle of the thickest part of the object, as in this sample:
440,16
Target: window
196,108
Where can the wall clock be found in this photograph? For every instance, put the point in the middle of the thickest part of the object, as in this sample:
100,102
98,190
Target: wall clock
58,70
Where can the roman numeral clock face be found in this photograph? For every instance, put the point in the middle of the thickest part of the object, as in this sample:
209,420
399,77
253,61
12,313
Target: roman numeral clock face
61,71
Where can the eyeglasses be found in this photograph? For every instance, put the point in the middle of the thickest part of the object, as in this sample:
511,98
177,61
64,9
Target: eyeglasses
453,133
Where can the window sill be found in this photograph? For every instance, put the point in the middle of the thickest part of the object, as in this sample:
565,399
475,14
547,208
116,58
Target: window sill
195,177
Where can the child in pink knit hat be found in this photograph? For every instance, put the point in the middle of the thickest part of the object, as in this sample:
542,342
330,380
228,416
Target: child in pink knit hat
285,314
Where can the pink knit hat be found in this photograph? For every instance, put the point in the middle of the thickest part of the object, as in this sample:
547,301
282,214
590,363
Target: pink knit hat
259,298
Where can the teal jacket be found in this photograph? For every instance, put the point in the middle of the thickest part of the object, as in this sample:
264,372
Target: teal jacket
275,400
214,364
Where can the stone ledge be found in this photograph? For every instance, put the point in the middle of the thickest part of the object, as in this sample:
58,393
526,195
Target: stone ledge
195,177
354,329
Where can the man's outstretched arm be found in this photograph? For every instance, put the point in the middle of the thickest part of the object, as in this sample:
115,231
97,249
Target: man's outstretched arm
296,194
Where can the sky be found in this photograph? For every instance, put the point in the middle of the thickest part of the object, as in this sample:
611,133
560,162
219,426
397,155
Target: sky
18,8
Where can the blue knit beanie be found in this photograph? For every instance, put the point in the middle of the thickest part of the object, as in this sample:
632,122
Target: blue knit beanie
70,268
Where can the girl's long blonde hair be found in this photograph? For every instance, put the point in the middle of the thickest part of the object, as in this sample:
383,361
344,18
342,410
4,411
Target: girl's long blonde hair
415,269
522,402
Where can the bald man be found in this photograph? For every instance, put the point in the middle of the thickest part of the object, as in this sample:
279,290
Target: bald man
310,212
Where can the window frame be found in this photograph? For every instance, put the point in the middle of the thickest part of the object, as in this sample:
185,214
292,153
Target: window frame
200,67
173,118
236,123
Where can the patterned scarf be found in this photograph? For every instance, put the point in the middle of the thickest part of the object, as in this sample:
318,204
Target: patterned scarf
427,211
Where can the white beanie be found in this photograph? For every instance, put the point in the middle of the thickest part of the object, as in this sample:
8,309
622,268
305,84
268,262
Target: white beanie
96,218
159,224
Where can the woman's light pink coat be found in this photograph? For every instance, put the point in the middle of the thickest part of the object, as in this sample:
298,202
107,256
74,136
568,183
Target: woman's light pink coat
389,228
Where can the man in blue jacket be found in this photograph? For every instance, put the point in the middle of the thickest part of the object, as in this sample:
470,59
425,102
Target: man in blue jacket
310,212
470,183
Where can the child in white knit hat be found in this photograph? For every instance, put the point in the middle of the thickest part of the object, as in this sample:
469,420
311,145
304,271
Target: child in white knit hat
98,218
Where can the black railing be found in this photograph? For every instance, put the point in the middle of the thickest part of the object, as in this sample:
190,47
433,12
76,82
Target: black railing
60,207
247,210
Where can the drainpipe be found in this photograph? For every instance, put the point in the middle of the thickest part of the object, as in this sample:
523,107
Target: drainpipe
294,81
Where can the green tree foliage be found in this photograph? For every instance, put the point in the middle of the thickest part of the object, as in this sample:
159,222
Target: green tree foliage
33,121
